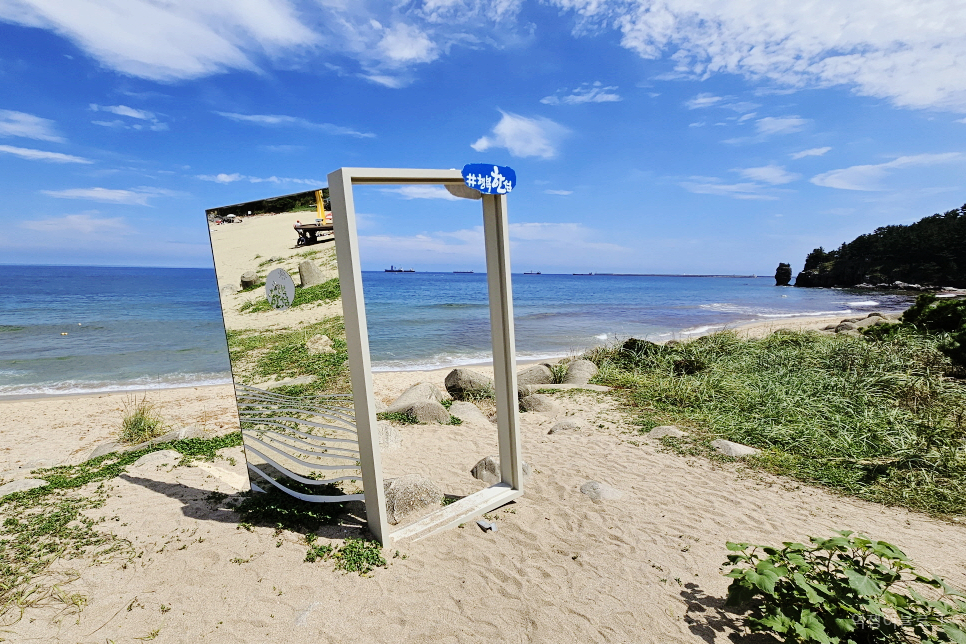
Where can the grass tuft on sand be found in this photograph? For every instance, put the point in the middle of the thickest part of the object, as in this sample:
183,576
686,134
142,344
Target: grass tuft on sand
142,421
882,420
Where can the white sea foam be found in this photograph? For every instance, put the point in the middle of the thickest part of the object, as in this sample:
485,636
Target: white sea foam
702,329
864,303
80,387
602,336
806,314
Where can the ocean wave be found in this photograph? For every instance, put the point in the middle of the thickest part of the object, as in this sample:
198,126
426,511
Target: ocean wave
444,361
804,314
701,329
863,303
82,387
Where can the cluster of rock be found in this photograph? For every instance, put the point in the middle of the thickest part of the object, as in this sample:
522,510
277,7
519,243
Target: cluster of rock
898,286
412,493
851,326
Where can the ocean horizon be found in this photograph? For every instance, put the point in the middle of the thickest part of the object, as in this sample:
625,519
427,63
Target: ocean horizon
93,329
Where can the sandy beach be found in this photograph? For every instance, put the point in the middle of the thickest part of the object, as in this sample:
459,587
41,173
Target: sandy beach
642,568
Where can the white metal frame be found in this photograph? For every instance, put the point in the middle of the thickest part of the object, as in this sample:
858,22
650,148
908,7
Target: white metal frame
497,242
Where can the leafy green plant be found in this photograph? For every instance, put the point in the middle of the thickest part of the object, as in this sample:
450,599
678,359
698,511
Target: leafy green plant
558,372
142,421
353,555
847,589
276,508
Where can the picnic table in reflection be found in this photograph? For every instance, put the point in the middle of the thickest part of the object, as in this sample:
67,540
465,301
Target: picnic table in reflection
314,233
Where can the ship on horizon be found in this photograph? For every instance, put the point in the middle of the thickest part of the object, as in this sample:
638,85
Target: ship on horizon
394,269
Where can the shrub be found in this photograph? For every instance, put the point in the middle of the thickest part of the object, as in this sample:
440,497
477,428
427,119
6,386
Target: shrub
845,590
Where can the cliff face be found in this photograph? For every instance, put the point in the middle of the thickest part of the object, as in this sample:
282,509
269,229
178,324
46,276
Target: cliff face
931,251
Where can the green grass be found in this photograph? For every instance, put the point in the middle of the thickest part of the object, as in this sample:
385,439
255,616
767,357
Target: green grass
396,417
142,421
328,291
353,555
45,525
258,355
880,420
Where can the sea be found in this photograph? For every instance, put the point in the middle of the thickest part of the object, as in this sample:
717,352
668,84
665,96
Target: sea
85,329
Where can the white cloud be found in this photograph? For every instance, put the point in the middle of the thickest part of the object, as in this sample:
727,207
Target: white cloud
171,40
281,120
535,241
559,192
705,100
524,137
811,152
868,177
41,155
586,93
404,44
233,177
912,54
961,120
124,110
153,123
28,126
133,197
773,174
422,192
81,224
714,186
779,125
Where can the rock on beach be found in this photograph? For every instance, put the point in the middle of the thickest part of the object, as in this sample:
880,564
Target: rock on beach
409,493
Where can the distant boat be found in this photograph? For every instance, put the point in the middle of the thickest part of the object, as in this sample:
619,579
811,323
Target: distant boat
463,272
532,273
583,273
393,269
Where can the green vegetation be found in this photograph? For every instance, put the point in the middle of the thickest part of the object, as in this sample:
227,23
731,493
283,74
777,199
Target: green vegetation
285,512
947,318
142,421
258,355
397,417
354,555
878,419
930,251
326,292
47,524
844,590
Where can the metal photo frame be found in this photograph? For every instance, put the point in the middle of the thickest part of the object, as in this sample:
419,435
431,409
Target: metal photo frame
497,244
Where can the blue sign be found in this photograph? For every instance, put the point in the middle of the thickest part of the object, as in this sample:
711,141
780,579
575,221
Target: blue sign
489,179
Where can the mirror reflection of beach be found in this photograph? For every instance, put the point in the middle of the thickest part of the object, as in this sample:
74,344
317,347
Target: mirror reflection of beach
279,289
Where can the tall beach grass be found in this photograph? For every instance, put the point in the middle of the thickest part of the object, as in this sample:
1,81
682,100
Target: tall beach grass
879,419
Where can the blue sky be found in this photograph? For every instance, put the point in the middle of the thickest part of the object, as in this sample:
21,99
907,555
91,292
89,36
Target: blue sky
647,136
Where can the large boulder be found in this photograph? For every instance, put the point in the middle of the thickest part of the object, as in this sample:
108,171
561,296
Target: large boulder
579,372
424,391
466,383
538,374
539,403
248,279
783,274
409,493
468,412
425,412
310,274
488,470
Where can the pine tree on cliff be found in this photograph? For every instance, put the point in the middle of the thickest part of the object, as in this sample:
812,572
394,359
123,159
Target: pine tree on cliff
931,251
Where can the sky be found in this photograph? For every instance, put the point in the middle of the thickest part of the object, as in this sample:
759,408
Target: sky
648,136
